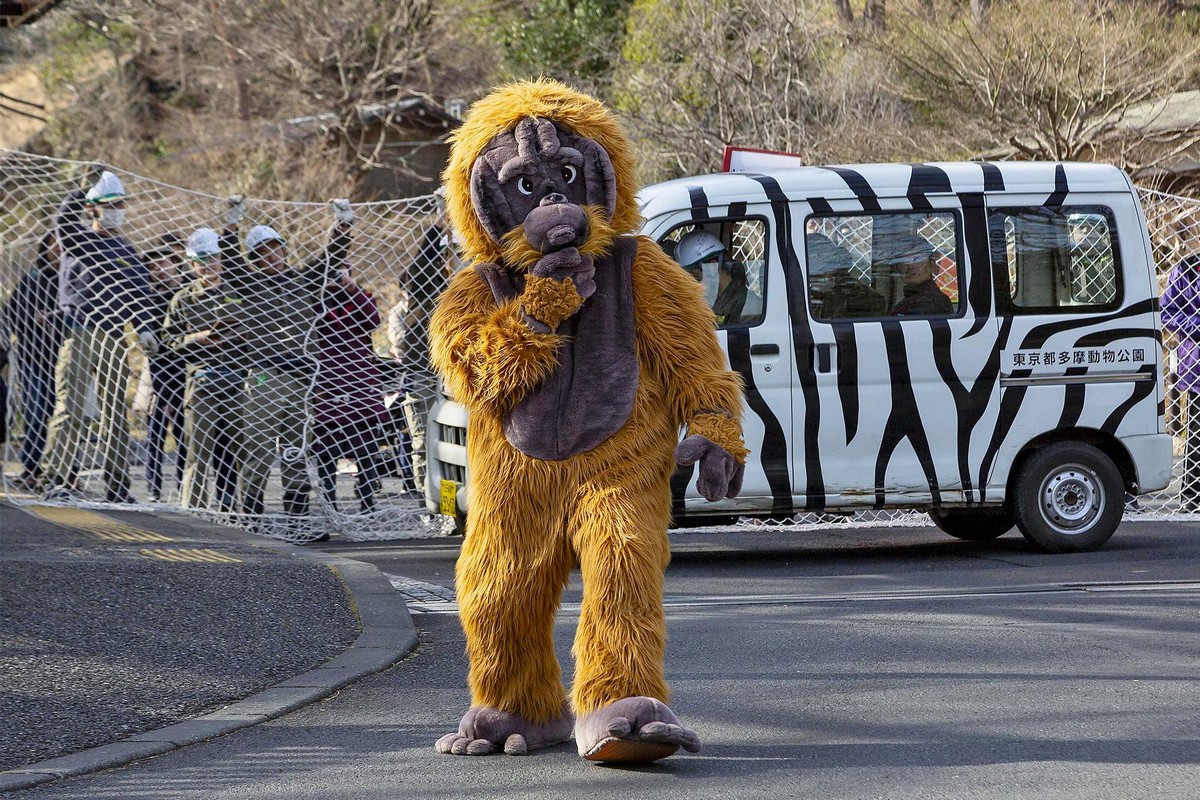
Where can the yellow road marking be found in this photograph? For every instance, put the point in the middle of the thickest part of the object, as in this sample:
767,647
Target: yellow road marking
189,555
95,525
105,529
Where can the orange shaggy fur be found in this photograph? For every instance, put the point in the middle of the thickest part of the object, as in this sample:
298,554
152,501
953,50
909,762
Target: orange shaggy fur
605,510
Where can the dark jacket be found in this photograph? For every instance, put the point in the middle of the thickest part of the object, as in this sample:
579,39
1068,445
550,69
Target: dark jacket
36,295
197,308
924,298
102,282
277,311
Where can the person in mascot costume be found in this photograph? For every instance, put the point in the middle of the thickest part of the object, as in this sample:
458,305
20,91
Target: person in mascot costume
580,350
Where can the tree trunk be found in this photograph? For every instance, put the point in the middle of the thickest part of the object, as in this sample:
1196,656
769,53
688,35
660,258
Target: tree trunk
844,12
874,14
241,93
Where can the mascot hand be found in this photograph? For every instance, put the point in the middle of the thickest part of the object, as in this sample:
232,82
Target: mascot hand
720,473
568,263
556,287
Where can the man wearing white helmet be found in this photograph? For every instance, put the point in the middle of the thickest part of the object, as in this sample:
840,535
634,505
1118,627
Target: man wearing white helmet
102,286
280,309
203,327
724,280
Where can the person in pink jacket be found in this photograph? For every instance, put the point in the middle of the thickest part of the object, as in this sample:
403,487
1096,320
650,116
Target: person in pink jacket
348,398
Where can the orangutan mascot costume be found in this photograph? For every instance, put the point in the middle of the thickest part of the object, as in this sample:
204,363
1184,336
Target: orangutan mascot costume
580,350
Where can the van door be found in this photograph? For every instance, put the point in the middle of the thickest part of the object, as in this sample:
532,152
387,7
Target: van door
1076,296
900,376
744,284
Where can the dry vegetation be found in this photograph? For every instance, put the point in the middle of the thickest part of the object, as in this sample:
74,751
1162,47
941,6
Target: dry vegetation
199,92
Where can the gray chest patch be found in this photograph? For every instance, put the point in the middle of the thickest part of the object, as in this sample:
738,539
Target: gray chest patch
589,395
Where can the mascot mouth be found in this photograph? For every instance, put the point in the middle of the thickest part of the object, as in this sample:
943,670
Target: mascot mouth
596,238
553,226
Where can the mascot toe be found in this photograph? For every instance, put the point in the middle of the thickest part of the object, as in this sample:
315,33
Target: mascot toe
582,352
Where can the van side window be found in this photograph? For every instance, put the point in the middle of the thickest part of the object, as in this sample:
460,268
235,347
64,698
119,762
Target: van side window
1055,260
869,266
729,259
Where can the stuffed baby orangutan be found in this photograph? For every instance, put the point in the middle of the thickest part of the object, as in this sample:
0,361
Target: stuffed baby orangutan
580,350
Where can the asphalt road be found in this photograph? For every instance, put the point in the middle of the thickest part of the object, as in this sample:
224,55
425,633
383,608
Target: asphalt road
845,663
108,630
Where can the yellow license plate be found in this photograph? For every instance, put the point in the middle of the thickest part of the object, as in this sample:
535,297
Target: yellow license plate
449,503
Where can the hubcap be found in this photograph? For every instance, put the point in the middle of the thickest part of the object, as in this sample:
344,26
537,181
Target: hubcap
1072,497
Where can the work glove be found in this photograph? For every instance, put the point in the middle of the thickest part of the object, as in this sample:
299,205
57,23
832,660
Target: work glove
720,473
235,210
149,343
342,211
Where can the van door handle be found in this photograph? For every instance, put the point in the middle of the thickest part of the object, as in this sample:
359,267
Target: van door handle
764,349
819,357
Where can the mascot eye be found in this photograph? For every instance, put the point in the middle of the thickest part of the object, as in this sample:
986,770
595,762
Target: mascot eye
525,186
569,174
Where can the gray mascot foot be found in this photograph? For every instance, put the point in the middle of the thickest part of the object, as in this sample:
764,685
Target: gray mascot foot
635,730
485,730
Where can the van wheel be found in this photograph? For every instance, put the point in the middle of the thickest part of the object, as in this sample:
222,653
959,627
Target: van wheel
972,524
460,523
1068,498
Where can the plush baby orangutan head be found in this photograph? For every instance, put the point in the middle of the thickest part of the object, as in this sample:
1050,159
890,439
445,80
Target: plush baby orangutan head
537,167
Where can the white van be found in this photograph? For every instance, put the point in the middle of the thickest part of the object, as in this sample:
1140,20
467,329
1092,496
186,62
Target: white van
978,340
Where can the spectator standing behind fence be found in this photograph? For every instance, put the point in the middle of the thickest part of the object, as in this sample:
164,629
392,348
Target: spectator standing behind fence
202,327
1181,316
348,402
33,324
102,286
408,337
278,310
167,370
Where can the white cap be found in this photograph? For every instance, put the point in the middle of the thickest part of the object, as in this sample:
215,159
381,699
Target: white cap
107,189
262,233
203,242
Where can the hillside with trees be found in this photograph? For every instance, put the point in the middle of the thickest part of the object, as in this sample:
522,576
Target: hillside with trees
266,97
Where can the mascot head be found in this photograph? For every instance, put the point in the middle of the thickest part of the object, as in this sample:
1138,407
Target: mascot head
537,166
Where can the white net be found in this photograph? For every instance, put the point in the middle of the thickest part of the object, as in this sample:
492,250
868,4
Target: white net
283,386
292,399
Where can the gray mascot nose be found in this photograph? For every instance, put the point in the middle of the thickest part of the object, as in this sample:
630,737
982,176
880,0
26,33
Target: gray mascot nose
553,199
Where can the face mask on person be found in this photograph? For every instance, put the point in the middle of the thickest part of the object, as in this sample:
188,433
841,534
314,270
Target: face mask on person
112,218
710,281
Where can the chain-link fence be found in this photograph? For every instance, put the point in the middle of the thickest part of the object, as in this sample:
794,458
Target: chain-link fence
295,402
273,377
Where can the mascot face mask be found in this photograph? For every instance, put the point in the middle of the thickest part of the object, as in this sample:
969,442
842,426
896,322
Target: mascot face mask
537,166
581,351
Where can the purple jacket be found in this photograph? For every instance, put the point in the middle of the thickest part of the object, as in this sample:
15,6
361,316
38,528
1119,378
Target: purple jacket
349,382
1181,316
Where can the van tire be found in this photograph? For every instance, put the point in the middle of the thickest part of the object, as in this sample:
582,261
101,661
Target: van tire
1068,498
973,524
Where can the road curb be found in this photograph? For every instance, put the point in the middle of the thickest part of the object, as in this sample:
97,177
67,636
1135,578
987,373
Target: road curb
387,635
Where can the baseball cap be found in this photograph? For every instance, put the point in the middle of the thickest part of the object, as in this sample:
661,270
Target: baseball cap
202,243
108,189
260,234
